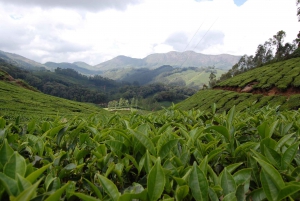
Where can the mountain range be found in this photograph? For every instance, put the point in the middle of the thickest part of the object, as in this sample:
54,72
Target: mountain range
175,59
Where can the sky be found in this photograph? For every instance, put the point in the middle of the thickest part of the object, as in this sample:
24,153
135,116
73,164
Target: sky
95,31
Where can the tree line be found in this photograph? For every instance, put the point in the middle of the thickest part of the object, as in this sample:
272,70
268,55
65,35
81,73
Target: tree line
272,50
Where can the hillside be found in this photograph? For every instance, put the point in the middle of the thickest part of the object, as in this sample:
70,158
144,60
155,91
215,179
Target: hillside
188,76
274,84
21,61
175,59
17,100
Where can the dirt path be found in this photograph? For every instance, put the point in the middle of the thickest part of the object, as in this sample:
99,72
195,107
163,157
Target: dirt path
266,92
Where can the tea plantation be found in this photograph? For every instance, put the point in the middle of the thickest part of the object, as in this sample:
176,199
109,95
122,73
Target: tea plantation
177,155
282,75
216,145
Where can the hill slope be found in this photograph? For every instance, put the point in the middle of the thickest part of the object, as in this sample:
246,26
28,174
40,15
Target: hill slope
16,100
274,84
21,61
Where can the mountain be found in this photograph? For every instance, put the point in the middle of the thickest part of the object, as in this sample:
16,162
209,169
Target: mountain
175,59
21,61
81,67
274,84
121,62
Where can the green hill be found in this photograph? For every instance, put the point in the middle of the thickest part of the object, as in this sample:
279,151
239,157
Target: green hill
281,75
274,84
16,100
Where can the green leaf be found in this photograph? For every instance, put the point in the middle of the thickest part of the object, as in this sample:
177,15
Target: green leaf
257,195
289,155
145,141
241,192
96,190
212,194
222,130
230,116
5,152
270,188
282,141
9,184
109,187
166,148
181,192
288,190
85,197
232,167
272,156
29,193
57,194
116,146
203,165
227,182
148,162
22,183
272,173
262,129
271,129
132,160
230,197
132,196
156,181
34,175
242,176
198,184
15,164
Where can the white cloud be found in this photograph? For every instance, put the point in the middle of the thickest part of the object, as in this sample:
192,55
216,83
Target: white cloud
139,28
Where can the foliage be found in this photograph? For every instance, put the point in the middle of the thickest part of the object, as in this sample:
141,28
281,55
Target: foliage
69,84
17,101
281,74
226,99
182,155
264,55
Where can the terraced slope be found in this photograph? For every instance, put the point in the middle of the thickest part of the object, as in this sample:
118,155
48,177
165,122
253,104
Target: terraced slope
16,100
274,84
279,77
224,99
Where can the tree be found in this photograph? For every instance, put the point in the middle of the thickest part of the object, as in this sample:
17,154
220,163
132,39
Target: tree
278,41
212,79
297,40
298,10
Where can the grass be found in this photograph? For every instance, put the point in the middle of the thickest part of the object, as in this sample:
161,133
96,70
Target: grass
18,101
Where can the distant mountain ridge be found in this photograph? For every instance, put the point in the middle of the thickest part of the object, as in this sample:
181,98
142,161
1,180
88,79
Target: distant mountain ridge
21,62
175,59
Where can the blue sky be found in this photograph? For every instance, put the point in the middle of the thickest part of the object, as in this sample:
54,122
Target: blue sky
239,2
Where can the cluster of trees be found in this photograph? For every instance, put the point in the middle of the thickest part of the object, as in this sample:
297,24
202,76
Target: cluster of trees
273,50
122,103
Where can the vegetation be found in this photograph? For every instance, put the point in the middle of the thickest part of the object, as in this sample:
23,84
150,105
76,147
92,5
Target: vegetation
282,75
226,99
18,101
69,84
191,77
265,55
191,155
